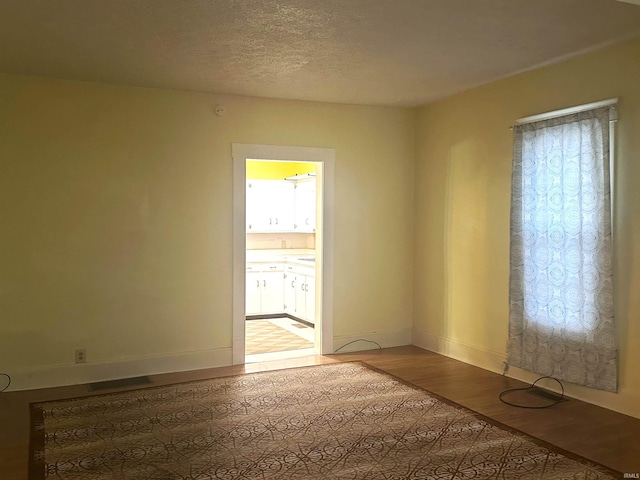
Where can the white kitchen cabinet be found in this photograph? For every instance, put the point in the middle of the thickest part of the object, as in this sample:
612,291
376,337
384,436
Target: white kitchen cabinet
256,210
310,299
270,206
305,206
272,299
300,292
305,297
281,288
253,291
290,290
264,289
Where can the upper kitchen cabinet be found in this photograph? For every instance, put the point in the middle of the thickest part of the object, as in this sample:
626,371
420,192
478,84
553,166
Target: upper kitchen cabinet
270,206
305,206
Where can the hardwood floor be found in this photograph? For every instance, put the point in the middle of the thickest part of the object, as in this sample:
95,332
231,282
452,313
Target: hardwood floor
593,432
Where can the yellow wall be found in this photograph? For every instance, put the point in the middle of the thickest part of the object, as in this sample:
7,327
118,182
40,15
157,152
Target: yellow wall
116,218
265,170
462,189
116,222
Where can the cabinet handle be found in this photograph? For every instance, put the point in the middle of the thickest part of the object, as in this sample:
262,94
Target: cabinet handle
273,268
269,221
276,221
258,283
306,221
264,283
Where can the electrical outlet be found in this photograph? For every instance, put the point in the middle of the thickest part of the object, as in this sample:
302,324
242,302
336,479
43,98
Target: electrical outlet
283,244
81,356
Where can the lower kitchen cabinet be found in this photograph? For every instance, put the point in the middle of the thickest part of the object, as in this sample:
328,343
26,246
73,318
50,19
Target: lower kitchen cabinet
290,285
300,292
272,298
283,288
253,292
306,298
264,289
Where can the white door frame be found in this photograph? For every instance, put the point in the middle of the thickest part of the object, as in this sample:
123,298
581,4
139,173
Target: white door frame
324,159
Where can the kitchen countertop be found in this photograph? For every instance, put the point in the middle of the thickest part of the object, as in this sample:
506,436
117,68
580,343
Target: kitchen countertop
300,256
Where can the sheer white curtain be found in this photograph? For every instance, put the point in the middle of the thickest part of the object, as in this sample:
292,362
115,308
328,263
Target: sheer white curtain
561,289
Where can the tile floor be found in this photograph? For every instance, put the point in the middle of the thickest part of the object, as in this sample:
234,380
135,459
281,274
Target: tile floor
269,339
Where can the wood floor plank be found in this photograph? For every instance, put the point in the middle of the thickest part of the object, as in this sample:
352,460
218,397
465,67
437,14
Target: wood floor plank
593,432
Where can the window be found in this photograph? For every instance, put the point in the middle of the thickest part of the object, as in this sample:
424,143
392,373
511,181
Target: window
561,320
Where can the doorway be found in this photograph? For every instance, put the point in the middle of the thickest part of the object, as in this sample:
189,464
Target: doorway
261,258
280,289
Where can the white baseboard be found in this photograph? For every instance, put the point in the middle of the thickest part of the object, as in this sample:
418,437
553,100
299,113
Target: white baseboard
467,353
75,374
364,341
622,402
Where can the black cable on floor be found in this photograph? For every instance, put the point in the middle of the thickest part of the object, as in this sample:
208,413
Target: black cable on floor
359,340
532,387
8,381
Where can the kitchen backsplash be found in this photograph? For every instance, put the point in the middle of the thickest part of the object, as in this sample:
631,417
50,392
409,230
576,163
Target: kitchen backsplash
270,241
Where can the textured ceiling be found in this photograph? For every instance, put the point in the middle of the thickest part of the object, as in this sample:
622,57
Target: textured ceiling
375,52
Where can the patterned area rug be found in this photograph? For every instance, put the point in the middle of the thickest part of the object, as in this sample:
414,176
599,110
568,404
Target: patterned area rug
342,421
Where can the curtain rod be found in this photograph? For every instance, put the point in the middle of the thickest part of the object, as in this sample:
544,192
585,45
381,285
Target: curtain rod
567,111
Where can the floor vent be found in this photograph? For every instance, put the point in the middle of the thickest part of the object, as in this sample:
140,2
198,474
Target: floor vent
120,383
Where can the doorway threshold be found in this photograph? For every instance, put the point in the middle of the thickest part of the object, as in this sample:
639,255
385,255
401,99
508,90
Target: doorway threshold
266,357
